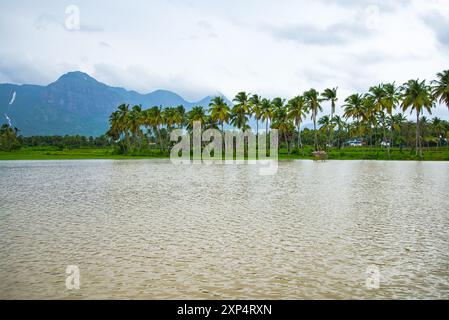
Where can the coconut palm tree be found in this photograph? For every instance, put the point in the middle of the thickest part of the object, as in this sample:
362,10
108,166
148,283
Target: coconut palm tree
376,96
154,119
313,105
390,101
115,126
134,123
196,114
124,111
255,103
181,116
267,112
240,111
416,95
326,124
338,122
219,111
397,123
282,122
297,112
440,89
438,129
330,95
171,117
354,108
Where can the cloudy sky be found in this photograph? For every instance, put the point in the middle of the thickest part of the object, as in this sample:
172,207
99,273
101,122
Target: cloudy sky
196,48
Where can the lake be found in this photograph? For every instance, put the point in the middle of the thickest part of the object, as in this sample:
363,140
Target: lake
148,229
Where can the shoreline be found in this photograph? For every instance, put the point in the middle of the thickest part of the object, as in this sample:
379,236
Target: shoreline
350,153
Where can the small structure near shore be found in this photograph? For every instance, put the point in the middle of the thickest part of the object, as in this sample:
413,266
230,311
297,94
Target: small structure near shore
319,155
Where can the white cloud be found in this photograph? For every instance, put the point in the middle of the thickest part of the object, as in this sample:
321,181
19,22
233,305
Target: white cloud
275,48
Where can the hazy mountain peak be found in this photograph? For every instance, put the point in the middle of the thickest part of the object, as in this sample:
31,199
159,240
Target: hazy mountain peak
76,76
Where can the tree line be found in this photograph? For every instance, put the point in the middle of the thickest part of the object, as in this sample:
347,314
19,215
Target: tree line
376,118
10,140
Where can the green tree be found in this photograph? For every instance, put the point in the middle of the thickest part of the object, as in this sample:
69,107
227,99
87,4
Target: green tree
297,112
240,111
440,89
256,109
330,94
219,111
8,138
154,118
313,105
326,124
416,96
196,114
282,123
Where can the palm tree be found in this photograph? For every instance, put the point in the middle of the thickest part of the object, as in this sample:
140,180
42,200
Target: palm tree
296,112
134,122
240,111
330,95
267,112
370,119
390,101
219,111
115,126
438,129
256,109
171,117
154,118
354,108
397,123
282,123
326,123
313,104
340,124
196,114
123,111
440,89
277,103
181,116
416,95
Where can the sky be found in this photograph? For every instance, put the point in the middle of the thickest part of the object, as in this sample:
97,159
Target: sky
202,47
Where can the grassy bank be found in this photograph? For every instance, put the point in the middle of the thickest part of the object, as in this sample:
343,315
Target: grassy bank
348,153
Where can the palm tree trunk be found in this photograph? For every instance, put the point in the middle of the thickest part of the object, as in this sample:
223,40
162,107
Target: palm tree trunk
385,135
299,135
222,140
418,149
160,139
286,141
331,135
266,137
257,135
315,133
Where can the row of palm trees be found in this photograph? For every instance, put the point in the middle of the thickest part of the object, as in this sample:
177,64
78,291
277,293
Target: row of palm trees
364,115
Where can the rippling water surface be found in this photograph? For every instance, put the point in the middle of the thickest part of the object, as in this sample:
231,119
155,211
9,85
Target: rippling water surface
147,229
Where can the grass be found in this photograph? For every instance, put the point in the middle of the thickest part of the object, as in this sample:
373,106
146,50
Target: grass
348,153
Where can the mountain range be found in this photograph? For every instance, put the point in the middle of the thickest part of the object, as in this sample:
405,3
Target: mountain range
74,104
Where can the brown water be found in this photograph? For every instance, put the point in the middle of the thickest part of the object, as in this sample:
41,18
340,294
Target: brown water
150,229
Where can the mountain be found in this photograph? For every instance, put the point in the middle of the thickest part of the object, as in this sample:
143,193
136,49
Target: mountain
75,104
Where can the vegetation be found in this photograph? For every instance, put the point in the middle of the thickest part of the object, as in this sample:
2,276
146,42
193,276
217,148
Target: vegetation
8,138
375,121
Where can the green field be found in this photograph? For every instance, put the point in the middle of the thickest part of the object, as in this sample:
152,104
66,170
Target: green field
348,153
